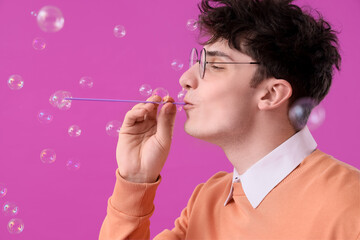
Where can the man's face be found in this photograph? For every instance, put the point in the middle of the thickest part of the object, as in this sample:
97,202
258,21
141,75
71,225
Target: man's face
223,103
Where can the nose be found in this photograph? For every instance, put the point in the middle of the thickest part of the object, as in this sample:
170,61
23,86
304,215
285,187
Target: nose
189,78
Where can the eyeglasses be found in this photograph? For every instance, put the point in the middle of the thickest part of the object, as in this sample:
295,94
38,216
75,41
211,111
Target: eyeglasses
202,62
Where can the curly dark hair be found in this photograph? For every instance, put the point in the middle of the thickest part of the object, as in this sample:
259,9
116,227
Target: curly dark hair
288,42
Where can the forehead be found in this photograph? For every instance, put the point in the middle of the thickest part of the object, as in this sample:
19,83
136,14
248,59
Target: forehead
223,46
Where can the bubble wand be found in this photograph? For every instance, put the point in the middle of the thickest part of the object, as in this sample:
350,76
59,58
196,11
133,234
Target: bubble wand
119,100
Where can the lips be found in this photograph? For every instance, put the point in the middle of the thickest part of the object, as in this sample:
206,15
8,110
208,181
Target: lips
188,105
187,102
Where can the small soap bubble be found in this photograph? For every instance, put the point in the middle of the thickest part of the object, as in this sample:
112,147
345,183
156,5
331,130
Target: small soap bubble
181,95
39,44
317,117
72,164
177,65
15,226
145,90
113,128
48,156
10,209
44,116
50,19
74,131
58,100
162,92
180,98
33,13
119,31
193,57
191,24
300,111
15,82
86,82
3,190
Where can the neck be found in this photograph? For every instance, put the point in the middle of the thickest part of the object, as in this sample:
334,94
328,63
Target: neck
259,141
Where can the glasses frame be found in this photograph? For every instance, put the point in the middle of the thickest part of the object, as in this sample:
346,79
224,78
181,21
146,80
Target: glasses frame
202,63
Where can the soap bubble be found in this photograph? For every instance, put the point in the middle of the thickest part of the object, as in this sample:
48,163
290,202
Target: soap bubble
15,226
119,31
58,100
86,82
3,190
50,19
113,128
191,24
34,13
180,98
162,92
39,44
15,82
74,131
193,58
181,95
10,209
48,156
73,164
45,117
299,112
145,90
177,64
317,117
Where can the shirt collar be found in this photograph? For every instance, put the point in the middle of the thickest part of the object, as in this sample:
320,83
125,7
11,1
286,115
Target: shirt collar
274,167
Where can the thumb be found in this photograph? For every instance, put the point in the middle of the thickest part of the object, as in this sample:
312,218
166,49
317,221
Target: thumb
166,120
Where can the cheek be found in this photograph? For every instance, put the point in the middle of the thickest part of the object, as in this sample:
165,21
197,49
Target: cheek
223,97
229,106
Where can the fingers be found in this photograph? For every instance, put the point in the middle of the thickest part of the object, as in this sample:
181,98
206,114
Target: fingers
133,116
166,120
142,111
150,107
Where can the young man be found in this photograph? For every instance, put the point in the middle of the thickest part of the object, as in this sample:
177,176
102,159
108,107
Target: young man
261,56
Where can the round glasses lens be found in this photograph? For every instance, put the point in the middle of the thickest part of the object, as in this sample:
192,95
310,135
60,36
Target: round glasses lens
202,63
193,57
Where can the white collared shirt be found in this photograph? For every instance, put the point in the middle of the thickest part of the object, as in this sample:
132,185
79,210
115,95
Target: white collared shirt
274,167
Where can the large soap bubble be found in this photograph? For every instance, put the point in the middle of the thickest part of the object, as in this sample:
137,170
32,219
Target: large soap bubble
162,92
15,226
58,100
10,209
15,82
191,24
119,31
113,128
39,44
74,131
145,90
48,156
306,111
50,19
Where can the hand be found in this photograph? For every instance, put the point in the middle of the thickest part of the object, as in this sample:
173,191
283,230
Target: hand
145,139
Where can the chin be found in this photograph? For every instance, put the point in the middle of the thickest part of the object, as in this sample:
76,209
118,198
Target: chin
202,133
192,130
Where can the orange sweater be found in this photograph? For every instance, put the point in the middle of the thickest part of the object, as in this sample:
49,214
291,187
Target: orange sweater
318,200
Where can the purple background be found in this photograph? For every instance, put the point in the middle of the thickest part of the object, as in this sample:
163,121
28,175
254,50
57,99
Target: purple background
57,204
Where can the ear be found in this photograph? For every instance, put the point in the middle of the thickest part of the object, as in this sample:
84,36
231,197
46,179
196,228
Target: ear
273,93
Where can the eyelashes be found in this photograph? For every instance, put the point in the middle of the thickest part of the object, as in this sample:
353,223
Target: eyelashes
216,67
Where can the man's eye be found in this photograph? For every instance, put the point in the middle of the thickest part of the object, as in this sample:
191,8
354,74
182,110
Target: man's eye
216,67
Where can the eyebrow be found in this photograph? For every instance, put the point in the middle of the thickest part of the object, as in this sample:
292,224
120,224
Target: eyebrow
219,54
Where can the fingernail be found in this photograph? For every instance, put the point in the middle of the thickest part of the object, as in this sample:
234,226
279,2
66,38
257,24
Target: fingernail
166,98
